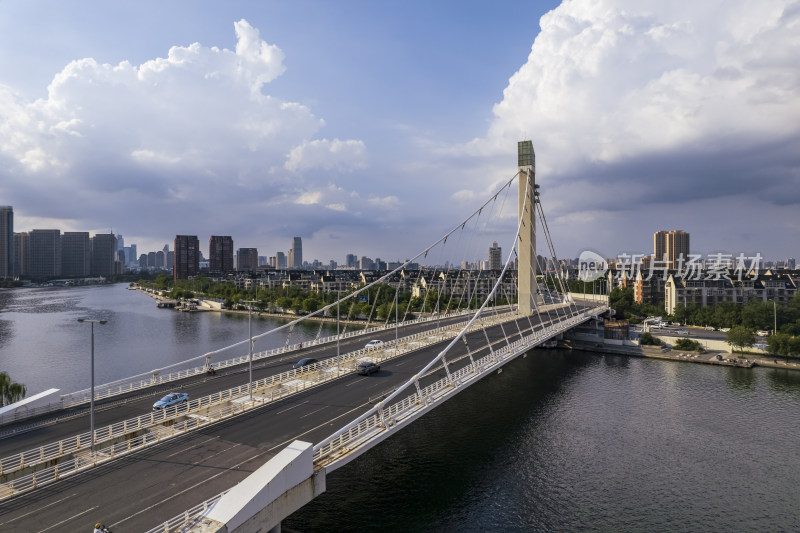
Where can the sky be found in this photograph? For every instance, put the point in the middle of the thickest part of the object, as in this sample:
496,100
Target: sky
374,127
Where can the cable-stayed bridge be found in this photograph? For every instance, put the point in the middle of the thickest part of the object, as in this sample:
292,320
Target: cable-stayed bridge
256,443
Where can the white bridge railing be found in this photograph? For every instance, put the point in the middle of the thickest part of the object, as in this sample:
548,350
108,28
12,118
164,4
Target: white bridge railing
135,433
406,410
156,377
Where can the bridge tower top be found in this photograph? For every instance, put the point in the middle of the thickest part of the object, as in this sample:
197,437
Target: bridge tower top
527,264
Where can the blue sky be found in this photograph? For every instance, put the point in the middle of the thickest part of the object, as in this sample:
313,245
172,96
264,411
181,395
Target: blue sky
372,127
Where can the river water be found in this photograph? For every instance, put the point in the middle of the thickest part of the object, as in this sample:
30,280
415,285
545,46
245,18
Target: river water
42,344
559,441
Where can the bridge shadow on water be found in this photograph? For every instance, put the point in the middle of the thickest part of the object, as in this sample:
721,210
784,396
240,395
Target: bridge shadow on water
414,480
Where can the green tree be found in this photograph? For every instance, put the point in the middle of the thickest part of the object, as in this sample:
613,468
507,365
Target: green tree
10,391
740,336
648,340
688,345
621,300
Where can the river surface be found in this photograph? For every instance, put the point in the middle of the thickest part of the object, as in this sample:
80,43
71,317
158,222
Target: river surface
559,441
570,441
43,345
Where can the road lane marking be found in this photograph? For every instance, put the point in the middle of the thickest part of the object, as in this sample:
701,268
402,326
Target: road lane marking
312,412
190,447
187,489
356,381
70,518
292,407
326,423
39,509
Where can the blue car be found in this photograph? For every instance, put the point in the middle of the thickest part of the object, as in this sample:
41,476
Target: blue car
171,399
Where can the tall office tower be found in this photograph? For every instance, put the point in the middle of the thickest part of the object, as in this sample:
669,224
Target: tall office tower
246,259
6,241
280,260
22,248
187,256
495,257
672,243
120,242
143,261
220,253
790,263
132,255
45,253
296,253
76,254
104,254
351,261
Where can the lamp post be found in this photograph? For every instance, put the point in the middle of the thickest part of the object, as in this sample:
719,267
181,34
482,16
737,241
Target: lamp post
91,401
338,298
250,338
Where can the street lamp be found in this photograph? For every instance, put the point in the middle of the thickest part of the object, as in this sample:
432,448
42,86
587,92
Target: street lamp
91,401
250,337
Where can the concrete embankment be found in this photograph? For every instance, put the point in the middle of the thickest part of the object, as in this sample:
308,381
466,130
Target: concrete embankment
658,352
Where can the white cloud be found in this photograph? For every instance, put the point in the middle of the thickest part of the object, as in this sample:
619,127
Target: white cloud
309,198
343,156
607,80
199,116
386,201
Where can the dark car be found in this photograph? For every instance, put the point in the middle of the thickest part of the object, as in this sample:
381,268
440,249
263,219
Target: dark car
304,362
366,368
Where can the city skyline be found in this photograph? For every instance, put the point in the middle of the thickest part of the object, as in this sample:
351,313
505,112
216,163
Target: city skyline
627,104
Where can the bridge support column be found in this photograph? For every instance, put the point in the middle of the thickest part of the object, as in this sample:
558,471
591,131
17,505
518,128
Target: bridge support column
527,265
273,492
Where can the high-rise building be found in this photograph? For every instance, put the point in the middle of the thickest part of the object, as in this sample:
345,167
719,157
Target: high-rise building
76,254
120,242
44,259
351,261
296,253
674,244
22,246
280,260
495,257
220,253
246,259
104,254
132,256
187,256
6,242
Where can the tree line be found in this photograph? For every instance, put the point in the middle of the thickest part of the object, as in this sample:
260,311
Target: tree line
377,302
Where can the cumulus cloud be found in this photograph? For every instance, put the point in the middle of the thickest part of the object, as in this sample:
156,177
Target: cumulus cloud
326,154
184,137
642,102
610,80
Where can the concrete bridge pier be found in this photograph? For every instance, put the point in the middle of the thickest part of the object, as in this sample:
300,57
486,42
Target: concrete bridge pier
267,496
526,253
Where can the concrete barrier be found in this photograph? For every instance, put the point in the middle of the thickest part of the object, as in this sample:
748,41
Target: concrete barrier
273,492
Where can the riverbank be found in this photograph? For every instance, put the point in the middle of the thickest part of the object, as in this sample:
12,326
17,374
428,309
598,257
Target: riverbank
263,314
709,357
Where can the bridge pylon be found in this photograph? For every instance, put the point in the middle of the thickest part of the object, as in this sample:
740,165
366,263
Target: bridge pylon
527,264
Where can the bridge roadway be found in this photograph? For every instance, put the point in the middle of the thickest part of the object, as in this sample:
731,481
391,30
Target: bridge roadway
139,491
118,408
